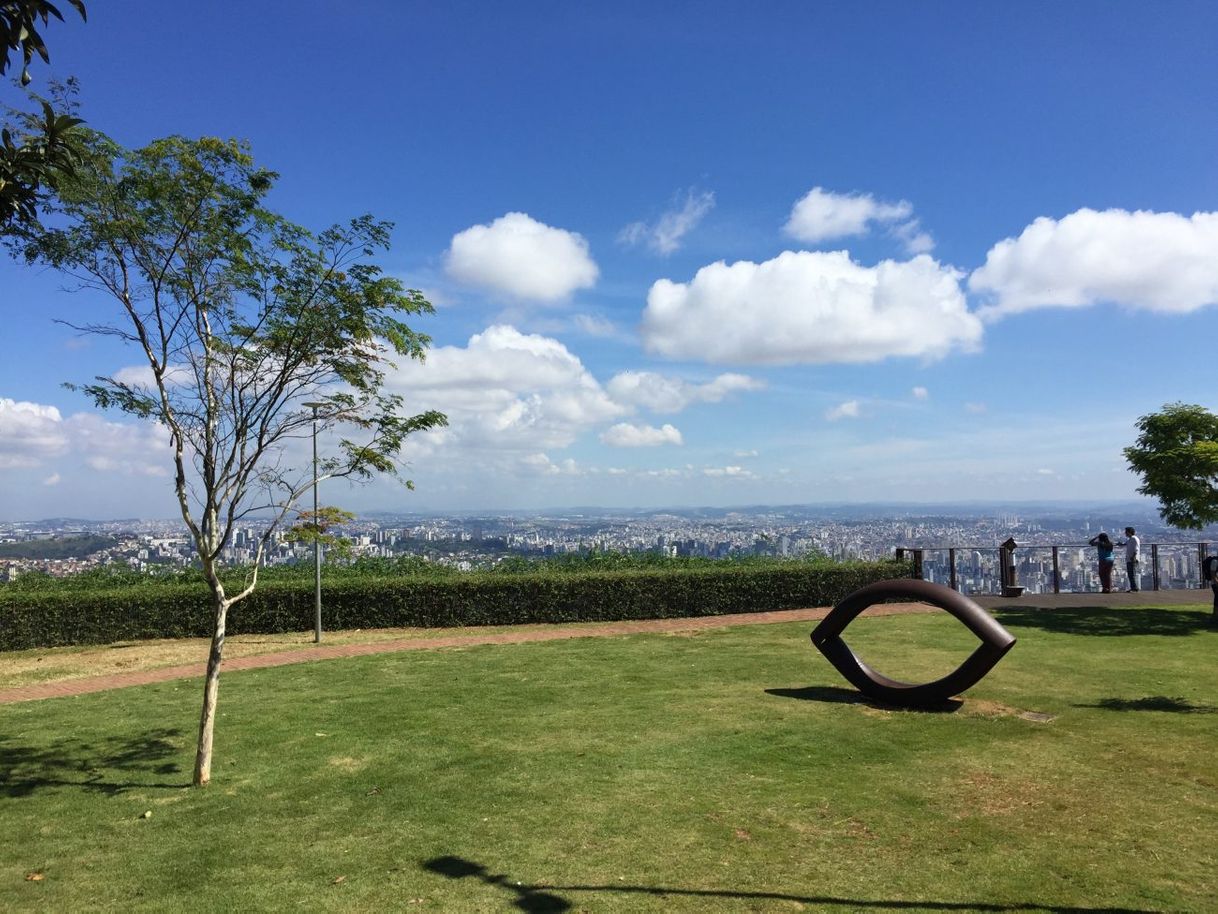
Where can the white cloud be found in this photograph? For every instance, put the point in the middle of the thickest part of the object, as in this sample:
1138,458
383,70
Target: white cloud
1163,262
663,394
920,393
746,454
505,389
847,410
542,465
141,376
821,215
33,433
626,435
52,480
1045,471
523,258
810,307
29,433
734,472
664,237
975,408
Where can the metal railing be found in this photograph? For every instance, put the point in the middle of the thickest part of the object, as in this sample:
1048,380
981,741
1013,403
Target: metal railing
997,569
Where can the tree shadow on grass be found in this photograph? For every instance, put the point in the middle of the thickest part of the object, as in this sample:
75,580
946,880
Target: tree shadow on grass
1153,703
542,899
110,765
1106,620
835,695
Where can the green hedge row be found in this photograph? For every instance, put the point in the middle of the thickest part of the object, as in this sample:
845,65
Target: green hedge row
105,615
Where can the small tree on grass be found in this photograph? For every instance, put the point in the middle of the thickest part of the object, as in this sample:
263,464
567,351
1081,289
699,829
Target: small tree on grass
241,317
1176,455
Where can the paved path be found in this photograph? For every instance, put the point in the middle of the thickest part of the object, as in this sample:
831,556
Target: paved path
558,633
336,651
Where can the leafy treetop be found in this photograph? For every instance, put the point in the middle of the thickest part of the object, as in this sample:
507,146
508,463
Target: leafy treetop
1176,455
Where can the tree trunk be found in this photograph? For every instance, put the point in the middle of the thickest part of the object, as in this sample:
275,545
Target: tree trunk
211,687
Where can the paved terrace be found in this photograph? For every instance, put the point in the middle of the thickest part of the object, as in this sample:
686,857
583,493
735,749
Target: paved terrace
1201,599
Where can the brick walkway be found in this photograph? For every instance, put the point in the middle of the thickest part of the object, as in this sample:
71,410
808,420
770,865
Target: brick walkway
337,651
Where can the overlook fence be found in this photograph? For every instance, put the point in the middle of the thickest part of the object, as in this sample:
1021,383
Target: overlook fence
1054,567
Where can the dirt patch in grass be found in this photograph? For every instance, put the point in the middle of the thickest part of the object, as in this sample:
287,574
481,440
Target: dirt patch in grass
989,795
21,668
977,707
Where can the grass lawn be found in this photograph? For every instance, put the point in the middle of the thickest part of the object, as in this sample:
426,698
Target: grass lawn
730,770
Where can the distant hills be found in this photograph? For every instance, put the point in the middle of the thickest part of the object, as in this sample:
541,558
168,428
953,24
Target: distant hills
66,547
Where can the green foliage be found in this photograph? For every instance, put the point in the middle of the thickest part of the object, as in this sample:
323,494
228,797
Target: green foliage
19,21
315,526
1176,455
179,609
34,158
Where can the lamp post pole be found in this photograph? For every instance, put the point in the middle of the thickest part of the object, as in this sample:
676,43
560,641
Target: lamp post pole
316,537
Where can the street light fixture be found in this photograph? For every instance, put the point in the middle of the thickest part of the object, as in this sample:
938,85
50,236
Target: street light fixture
316,534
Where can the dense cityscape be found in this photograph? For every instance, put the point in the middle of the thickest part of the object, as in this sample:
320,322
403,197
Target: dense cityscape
64,546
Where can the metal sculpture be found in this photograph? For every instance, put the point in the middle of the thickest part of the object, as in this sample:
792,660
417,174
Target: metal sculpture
995,642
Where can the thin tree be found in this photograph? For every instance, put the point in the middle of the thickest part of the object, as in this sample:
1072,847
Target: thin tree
241,317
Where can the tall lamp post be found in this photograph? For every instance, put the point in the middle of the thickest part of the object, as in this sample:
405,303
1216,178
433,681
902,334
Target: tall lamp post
316,536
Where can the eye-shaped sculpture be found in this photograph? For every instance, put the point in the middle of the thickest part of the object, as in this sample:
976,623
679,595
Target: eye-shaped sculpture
995,642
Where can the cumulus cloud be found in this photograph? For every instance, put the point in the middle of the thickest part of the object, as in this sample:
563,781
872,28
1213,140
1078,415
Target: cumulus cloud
29,433
522,257
665,234
663,394
33,433
810,307
847,410
506,389
626,435
1163,262
821,215
920,393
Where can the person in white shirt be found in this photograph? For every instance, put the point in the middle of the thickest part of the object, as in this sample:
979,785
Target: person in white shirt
1133,558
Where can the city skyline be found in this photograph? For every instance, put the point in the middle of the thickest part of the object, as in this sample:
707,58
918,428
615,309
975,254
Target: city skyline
693,256
1052,551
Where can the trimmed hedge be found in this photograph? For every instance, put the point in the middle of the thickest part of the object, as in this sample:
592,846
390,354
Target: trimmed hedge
105,615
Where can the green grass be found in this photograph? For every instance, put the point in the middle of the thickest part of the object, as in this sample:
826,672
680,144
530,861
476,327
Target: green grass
727,771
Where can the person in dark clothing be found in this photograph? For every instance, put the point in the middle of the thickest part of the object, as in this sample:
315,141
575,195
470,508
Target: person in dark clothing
1104,546
1209,569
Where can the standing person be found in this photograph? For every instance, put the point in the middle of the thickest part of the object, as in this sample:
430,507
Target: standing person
1209,569
1104,546
1133,558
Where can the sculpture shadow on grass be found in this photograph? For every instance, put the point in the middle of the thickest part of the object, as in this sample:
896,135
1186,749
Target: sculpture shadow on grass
543,899
109,765
1106,621
1153,703
835,695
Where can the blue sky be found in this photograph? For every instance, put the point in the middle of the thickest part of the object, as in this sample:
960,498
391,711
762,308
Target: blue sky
694,253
